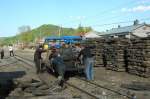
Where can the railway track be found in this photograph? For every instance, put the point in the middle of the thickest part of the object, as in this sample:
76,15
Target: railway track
8,64
77,86
104,87
46,74
27,61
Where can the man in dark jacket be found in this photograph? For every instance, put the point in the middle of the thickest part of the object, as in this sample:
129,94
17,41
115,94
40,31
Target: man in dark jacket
58,63
38,58
88,61
2,53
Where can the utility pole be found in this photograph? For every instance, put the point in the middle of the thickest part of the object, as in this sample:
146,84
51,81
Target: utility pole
59,32
40,39
40,33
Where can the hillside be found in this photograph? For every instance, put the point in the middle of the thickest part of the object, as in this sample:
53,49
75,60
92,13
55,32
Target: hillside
42,31
2,39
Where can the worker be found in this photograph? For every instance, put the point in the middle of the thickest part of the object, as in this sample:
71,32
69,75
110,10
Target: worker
88,61
77,49
58,63
11,52
66,52
38,58
2,52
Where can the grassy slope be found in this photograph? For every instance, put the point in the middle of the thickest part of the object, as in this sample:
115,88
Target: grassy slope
42,31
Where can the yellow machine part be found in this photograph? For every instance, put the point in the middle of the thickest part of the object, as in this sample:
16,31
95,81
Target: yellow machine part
45,46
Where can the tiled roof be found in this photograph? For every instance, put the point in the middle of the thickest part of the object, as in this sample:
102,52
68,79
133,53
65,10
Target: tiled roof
125,29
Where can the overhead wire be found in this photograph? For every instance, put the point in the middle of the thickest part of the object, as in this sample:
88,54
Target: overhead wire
143,19
102,13
108,11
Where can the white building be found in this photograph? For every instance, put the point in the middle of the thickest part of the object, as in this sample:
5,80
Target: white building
136,30
92,34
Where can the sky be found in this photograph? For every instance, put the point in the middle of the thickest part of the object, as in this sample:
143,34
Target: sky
99,14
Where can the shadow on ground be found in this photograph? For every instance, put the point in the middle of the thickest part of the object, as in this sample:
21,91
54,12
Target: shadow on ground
6,82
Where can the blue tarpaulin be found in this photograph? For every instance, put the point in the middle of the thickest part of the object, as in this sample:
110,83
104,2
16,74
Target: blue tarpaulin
66,39
53,38
63,38
71,37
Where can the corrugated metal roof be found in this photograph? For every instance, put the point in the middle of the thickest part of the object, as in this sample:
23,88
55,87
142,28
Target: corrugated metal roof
125,29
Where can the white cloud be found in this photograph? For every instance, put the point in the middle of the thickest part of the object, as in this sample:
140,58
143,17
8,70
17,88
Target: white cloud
71,17
113,12
124,9
144,1
77,17
140,8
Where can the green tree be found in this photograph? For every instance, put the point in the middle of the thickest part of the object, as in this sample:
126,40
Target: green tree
82,30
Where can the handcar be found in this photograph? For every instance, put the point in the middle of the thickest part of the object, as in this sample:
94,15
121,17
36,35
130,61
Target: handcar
72,65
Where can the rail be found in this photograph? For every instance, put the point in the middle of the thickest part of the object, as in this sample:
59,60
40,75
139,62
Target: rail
98,85
30,62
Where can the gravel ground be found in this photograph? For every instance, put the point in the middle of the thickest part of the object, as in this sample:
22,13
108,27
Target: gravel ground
114,80
16,71
107,78
11,69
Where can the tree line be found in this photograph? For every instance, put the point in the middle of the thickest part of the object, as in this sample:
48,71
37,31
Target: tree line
28,35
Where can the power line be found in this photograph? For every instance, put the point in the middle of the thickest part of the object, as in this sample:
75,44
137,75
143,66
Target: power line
143,19
108,10
107,18
120,22
110,18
